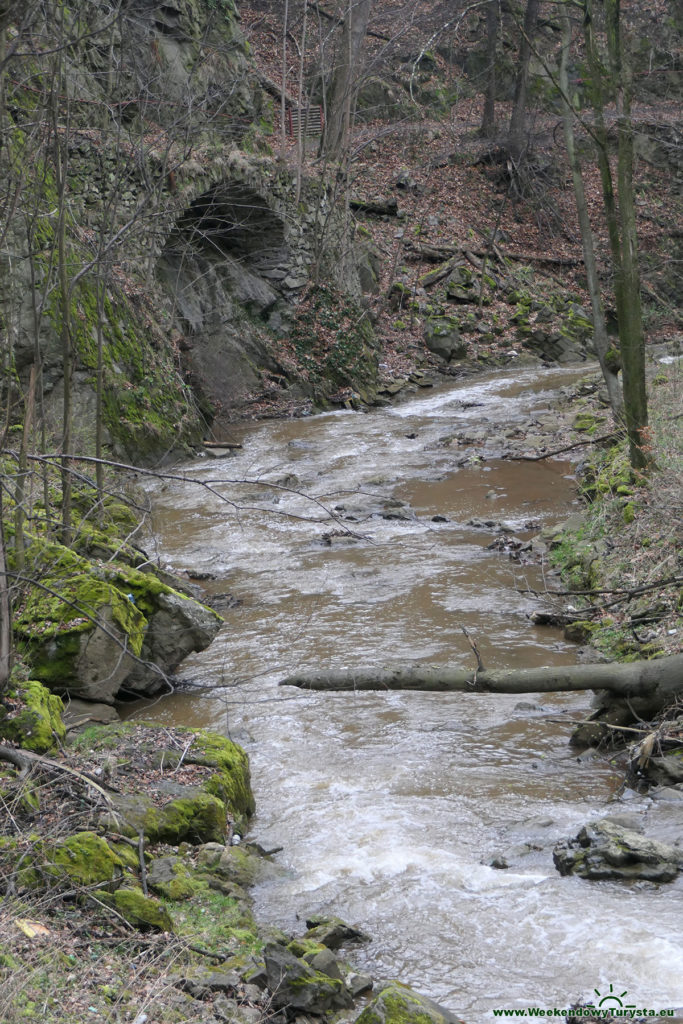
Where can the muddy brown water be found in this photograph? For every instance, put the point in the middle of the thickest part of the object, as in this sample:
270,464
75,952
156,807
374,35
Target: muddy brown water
390,807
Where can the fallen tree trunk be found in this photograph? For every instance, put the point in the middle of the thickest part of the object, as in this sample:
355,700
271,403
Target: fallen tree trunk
377,207
657,680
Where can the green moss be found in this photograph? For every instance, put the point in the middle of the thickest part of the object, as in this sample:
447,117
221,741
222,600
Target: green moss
442,326
83,859
8,964
321,981
147,407
580,631
586,422
201,818
141,911
101,737
608,471
217,920
181,886
628,513
305,947
398,1004
575,556
126,854
38,726
71,591
232,782
613,359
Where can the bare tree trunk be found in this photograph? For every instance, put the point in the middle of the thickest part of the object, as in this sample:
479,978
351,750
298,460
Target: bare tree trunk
5,612
22,473
600,336
99,396
302,127
517,135
660,678
621,223
60,165
488,123
630,316
343,87
283,92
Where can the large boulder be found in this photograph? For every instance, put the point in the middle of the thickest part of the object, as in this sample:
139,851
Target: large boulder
442,337
398,1004
608,850
177,626
88,624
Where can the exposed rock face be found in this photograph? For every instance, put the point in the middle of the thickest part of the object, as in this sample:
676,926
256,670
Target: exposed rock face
608,850
208,241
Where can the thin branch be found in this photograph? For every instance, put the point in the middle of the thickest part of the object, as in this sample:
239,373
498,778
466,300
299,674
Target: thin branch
560,451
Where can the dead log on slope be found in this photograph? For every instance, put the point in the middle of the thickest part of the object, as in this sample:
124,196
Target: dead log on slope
376,207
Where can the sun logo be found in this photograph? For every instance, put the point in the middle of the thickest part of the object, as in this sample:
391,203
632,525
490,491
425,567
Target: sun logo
611,998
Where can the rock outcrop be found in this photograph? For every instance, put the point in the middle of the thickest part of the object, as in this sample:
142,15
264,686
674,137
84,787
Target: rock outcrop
94,628
608,850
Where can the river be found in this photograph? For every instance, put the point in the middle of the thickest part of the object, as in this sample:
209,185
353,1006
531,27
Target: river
389,808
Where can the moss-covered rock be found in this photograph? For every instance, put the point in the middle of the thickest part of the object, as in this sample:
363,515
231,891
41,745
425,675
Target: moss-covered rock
302,947
77,626
37,725
608,850
579,632
199,818
170,877
442,337
398,1004
332,931
196,817
141,911
83,859
299,988
232,781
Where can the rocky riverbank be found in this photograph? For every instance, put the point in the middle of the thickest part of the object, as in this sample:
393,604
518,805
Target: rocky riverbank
126,889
